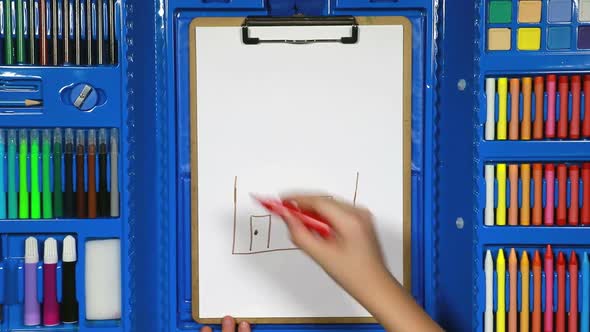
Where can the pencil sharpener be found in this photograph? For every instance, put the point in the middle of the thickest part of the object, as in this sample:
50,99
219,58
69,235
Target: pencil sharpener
83,96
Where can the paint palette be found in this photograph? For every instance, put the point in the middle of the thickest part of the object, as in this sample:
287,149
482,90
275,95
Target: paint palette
538,25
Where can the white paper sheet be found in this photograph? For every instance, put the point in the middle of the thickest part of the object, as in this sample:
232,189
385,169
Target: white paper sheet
276,118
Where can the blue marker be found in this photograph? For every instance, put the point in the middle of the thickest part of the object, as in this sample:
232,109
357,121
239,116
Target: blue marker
585,325
2,192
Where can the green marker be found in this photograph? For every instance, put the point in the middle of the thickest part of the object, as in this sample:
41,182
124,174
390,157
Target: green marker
23,194
8,48
12,196
58,208
47,205
20,32
35,191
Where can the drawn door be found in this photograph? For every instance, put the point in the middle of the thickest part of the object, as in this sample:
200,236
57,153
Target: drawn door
260,228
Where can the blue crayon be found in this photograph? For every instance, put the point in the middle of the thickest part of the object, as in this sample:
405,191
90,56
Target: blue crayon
2,192
585,320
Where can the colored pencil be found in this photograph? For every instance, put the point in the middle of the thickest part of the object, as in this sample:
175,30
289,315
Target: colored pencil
66,30
8,46
31,31
100,32
58,208
103,194
501,289
563,107
78,32
514,108
513,209
69,205
525,129
539,101
560,316
80,189
548,289
586,123
112,37
501,209
573,211
525,292
538,194
585,316
525,208
585,218
91,174
502,100
562,194
114,204
489,311
2,175
89,32
550,122
537,309
20,103
576,87
573,314
46,162
513,309
12,193
54,33
35,191
491,109
550,194
20,32
42,33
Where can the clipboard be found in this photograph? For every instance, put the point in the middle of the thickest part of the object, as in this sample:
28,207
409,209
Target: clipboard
247,37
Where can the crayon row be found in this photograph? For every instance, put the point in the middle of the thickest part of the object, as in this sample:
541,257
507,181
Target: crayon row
537,194
537,291
58,32
50,312
543,107
51,174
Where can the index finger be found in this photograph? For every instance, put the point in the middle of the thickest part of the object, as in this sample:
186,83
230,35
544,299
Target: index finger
326,207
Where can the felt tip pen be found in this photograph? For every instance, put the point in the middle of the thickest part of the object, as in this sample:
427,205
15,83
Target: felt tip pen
114,172
91,174
46,169
35,191
32,312
50,306
2,192
58,209
103,194
80,188
12,193
69,303
68,196
23,194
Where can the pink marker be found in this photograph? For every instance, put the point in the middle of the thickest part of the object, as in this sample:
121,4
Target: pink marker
549,290
50,305
550,123
550,196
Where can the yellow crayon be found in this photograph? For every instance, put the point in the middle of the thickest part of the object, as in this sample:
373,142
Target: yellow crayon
501,276
501,210
502,113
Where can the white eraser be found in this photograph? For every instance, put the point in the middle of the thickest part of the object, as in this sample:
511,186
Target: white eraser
103,279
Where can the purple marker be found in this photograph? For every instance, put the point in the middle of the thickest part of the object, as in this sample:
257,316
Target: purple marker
32,309
50,306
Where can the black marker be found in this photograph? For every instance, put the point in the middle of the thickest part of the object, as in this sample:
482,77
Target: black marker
69,303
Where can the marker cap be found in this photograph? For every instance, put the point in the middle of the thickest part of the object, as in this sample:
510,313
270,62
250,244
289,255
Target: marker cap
69,249
50,251
31,251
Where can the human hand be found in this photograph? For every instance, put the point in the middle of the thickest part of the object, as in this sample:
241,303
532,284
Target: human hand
351,255
228,324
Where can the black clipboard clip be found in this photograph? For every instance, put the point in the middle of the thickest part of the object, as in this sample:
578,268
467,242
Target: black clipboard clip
265,21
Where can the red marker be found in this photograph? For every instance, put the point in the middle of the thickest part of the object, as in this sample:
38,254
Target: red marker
573,317
308,219
586,124
562,192
550,194
586,193
576,99
563,107
550,123
560,317
573,212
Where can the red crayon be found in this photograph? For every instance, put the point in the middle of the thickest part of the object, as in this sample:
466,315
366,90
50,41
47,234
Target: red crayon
573,212
573,316
548,290
563,107
550,194
562,198
576,98
550,123
586,124
539,100
560,317
538,194
586,193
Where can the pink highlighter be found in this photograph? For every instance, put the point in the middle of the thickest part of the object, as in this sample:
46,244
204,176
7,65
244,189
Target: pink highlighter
310,220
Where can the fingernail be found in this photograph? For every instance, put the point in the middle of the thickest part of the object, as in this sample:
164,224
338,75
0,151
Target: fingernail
227,322
244,327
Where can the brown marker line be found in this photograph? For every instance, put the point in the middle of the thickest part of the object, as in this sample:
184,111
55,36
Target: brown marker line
356,188
233,249
263,252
